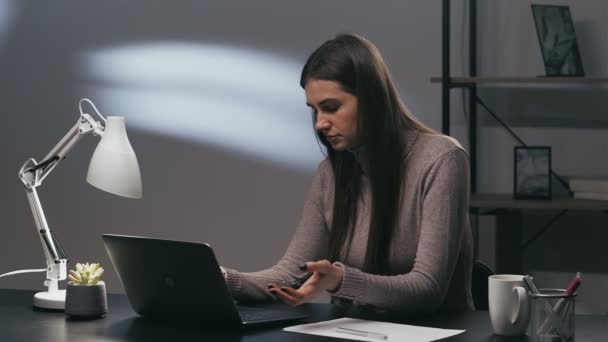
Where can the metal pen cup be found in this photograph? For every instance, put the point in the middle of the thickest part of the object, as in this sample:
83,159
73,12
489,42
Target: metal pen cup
552,316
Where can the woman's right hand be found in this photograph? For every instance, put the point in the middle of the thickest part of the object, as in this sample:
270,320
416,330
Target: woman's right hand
325,277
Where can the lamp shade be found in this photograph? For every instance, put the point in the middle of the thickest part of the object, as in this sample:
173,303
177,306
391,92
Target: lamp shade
114,166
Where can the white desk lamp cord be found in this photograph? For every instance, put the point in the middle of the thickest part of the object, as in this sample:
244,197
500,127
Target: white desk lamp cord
92,105
23,271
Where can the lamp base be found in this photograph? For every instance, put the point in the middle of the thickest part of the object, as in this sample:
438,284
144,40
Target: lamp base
50,300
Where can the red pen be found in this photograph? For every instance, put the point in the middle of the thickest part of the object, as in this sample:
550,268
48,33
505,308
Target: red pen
570,290
574,284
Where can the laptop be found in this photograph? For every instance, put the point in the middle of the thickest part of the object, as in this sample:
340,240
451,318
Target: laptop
183,281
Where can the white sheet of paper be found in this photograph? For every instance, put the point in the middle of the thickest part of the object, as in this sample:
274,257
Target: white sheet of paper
394,332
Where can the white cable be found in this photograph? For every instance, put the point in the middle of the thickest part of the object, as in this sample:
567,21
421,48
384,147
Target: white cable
92,105
23,271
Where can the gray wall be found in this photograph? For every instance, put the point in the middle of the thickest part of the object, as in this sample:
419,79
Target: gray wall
159,64
195,188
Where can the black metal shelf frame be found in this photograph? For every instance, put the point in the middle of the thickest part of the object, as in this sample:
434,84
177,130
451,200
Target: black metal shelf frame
514,236
447,85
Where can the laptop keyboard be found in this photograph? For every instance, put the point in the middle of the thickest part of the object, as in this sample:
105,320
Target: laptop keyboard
269,314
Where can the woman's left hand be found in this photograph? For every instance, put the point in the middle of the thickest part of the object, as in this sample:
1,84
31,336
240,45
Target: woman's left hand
325,277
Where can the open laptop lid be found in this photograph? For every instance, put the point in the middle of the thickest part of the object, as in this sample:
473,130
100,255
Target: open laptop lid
171,279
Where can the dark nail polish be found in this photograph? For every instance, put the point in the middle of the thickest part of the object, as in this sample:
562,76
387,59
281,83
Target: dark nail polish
303,267
270,286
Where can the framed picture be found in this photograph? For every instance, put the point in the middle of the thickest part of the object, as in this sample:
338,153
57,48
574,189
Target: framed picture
532,172
557,39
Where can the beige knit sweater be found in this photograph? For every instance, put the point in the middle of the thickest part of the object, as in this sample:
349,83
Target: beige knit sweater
430,253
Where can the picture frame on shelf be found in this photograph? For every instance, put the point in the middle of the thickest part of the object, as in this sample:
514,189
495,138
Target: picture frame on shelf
557,39
532,172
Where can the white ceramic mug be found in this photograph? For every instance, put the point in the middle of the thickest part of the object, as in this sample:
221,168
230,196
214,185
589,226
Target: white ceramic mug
508,303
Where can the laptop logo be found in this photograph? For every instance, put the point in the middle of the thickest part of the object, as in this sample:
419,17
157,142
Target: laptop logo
169,282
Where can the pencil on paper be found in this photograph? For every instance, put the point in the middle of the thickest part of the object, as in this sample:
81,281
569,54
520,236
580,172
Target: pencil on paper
362,333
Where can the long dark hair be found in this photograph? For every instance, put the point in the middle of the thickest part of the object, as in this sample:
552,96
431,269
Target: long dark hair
357,66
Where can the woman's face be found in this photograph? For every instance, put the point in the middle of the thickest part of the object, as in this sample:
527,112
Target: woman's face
335,111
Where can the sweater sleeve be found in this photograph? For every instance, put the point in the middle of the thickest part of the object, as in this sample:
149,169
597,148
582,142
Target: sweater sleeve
308,243
445,199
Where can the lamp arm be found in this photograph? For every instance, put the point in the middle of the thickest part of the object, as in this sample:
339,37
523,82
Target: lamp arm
85,125
32,174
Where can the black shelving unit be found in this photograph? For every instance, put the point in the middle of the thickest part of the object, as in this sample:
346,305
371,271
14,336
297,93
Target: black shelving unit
472,81
508,210
448,84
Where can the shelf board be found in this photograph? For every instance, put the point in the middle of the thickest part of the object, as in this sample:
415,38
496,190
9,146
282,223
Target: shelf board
526,81
506,201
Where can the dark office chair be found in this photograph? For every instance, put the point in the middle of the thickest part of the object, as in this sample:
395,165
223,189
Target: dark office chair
479,284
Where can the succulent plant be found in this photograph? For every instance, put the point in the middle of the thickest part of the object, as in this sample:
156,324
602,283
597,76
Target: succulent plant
86,274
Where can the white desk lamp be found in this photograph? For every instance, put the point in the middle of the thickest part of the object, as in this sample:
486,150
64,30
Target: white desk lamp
113,168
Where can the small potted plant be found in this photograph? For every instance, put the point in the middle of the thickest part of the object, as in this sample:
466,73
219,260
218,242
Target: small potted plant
86,293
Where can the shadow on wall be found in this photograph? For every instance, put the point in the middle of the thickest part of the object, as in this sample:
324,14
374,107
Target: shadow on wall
570,245
581,107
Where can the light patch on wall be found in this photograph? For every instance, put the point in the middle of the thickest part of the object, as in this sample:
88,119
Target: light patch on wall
238,99
8,10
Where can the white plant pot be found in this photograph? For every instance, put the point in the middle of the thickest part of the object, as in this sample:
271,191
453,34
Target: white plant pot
86,301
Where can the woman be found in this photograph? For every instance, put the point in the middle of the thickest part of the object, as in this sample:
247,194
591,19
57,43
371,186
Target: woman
385,224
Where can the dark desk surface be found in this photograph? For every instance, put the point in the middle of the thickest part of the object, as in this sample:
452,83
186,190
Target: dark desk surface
20,322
